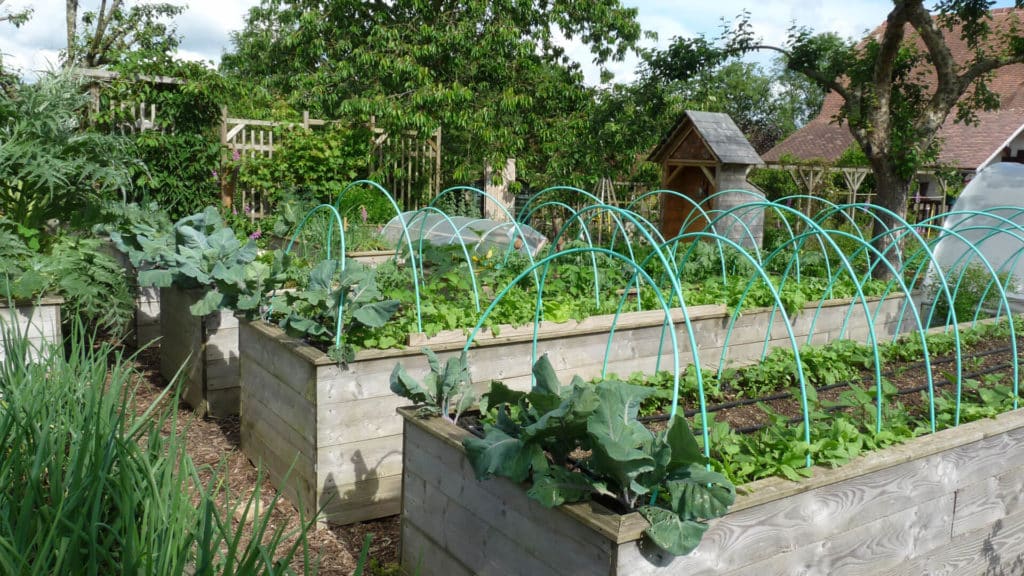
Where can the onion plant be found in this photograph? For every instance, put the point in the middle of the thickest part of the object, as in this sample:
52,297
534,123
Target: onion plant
89,487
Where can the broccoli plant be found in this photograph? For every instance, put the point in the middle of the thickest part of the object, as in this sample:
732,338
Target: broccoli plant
334,300
573,442
440,388
201,252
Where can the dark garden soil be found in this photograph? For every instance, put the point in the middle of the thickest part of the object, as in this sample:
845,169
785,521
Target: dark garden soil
744,414
215,443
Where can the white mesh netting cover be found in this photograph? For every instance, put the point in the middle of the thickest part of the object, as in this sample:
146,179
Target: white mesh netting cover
477,233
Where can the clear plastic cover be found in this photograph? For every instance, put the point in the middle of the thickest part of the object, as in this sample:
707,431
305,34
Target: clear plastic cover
477,233
999,191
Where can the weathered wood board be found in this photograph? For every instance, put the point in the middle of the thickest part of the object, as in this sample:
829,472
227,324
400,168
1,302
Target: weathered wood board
37,322
948,503
343,417
204,348
145,326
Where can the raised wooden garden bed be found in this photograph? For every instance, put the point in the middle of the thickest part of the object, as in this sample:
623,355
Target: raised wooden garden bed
209,346
145,325
333,431
38,322
371,257
947,503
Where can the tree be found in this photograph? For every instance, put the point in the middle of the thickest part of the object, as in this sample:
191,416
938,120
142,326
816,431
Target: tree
896,92
117,32
766,106
17,19
491,72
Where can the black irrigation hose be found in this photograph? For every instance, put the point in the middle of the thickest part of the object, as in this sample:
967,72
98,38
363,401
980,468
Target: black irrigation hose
785,395
799,419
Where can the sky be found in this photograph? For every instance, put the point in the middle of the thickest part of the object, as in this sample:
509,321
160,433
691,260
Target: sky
206,26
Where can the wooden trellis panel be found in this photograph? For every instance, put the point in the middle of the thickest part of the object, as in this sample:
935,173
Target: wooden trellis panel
408,166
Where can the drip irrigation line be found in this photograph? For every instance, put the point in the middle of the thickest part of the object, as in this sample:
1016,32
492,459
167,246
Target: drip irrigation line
787,394
831,409
965,377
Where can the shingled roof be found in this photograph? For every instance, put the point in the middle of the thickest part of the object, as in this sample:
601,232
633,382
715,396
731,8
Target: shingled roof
963,146
724,139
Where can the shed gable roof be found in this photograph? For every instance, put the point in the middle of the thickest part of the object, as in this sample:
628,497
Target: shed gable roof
721,135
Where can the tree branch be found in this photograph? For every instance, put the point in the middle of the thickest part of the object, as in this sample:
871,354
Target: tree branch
889,46
985,66
813,73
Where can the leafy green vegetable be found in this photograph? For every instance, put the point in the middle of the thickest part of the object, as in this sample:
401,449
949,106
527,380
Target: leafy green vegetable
440,387
534,435
200,252
331,303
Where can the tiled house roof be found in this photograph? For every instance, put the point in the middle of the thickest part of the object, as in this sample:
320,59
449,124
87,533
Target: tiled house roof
963,146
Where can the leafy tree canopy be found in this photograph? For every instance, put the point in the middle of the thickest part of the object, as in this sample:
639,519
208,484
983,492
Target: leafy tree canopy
490,72
766,105
114,32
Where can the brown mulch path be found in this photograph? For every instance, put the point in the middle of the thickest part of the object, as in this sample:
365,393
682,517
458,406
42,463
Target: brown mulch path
215,442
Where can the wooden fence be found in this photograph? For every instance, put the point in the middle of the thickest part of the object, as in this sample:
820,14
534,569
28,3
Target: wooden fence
408,166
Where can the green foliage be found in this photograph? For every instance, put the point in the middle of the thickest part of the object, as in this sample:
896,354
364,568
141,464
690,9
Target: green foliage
181,154
494,76
332,301
88,486
532,435
117,33
78,269
974,290
315,163
50,166
179,170
201,253
440,388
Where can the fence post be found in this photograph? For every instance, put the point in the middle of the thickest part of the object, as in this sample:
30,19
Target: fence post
501,191
227,185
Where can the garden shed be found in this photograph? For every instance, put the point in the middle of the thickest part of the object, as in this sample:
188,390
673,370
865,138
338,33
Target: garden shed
706,153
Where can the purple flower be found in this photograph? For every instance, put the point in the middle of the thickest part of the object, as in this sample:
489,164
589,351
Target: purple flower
362,213
214,172
234,155
248,208
256,235
234,211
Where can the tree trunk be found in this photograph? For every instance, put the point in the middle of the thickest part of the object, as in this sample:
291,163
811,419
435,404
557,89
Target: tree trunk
893,194
71,17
